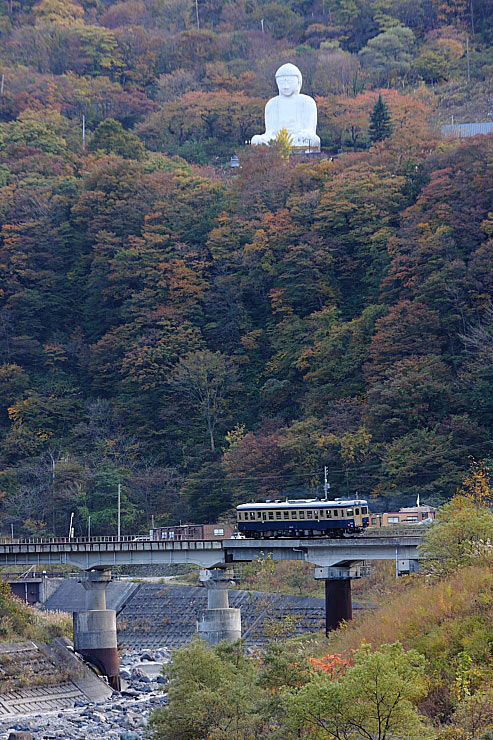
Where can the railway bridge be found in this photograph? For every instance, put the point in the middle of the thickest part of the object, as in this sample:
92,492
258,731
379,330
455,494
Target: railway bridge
336,561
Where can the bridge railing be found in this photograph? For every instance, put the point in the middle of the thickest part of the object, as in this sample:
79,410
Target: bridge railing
398,530
65,540
388,531
33,575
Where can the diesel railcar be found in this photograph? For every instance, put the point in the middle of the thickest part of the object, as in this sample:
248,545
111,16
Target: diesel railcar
303,518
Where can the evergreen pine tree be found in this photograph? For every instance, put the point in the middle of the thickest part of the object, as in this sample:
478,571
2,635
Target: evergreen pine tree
380,123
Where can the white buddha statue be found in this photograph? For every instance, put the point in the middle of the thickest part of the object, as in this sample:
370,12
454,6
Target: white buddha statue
289,110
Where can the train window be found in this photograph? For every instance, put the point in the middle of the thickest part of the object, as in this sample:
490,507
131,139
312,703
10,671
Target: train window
315,514
356,511
252,515
259,515
364,510
349,512
302,514
309,514
329,514
264,515
286,514
336,513
271,515
294,515
278,514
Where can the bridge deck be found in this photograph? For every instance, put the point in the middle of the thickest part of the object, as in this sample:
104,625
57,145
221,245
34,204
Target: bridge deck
104,552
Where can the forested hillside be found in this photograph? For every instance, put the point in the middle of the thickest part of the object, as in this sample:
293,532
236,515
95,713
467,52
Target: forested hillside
206,335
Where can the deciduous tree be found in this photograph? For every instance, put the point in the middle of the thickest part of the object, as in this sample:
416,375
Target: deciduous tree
375,699
204,379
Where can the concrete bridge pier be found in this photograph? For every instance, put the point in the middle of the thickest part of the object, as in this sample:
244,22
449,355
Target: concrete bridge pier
338,602
219,621
95,628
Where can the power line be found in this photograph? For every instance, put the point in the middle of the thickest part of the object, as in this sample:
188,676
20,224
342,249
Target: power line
363,468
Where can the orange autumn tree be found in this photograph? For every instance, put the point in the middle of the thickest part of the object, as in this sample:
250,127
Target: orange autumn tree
333,665
476,486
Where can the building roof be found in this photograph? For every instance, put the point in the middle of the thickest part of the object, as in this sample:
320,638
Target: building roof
422,508
462,130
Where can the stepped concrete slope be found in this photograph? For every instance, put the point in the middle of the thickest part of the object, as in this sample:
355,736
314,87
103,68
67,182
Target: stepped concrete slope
161,615
152,615
35,677
70,596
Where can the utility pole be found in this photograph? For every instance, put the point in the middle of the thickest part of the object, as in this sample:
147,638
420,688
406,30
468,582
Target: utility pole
326,482
83,131
2,84
70,528
197,12
468,65
89,527
53,474
262,24
119,511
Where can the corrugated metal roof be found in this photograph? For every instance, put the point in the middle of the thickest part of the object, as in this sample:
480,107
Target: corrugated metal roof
462,130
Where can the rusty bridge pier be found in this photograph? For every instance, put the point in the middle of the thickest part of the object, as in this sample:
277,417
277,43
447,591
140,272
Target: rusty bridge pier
95,628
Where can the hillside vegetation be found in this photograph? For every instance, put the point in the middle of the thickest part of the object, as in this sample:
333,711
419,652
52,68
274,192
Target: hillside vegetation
205,337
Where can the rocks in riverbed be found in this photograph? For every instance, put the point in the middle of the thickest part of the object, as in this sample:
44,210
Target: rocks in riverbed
146,657
113,719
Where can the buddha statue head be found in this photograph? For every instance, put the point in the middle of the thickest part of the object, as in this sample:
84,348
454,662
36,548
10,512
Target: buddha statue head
288,78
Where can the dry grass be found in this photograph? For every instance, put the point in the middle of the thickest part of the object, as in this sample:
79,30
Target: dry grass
379,586
48,625
18,621
427,615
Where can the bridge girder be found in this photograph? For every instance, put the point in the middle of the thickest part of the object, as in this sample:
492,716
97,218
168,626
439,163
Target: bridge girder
99,554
